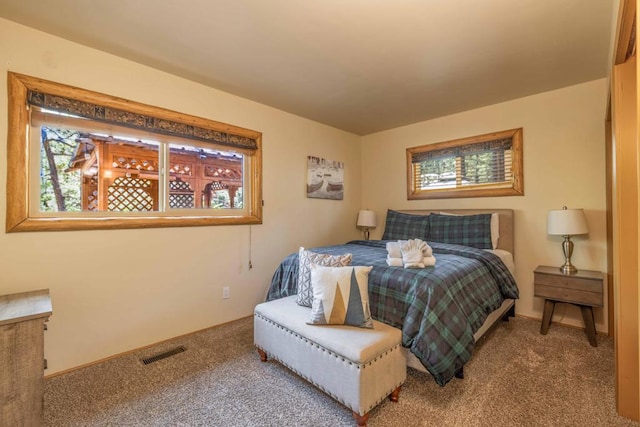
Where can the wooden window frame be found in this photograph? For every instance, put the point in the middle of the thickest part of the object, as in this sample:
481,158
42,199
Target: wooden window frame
486,190
19,171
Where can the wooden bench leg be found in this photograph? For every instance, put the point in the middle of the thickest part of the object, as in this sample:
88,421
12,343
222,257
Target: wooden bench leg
263,355
395,394
546,317
361,420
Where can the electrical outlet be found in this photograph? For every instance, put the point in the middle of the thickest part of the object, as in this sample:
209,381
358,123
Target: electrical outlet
225,292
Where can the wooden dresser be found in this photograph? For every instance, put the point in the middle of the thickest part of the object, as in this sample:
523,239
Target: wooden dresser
22,324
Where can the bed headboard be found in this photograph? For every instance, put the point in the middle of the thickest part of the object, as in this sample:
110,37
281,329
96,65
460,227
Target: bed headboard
506,222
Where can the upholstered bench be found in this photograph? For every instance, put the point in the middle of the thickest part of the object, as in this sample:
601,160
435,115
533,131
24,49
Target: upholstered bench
358,367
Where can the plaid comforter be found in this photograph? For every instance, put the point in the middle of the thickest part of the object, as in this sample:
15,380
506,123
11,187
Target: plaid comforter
437,308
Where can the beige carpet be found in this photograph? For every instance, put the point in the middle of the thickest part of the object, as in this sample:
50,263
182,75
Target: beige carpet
517,377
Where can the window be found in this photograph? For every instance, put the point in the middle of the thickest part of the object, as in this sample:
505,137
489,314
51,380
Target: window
82,160
478,166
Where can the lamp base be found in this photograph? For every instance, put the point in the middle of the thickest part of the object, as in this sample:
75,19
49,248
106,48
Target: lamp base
568,269
567,249
366,234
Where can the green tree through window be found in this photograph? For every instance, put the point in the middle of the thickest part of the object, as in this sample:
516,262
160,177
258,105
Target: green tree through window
59,189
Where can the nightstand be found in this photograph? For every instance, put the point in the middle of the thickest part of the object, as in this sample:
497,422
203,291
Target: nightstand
584,289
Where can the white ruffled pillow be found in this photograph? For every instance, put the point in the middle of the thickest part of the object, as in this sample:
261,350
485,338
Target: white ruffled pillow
412,253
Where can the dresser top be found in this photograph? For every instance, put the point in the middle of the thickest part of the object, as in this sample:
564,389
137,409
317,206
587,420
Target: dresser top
23,306
583,274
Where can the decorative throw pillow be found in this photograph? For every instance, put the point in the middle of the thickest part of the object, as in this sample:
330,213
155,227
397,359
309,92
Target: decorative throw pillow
340,296
305,259
467,230
402,226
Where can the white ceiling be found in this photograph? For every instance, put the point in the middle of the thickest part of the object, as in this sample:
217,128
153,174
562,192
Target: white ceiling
359,65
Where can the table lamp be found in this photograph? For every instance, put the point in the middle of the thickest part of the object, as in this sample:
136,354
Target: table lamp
567,222
366,220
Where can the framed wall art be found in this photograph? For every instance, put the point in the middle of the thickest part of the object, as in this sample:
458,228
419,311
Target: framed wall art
325,178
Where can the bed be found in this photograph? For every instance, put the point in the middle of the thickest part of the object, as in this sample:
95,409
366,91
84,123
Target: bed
444,310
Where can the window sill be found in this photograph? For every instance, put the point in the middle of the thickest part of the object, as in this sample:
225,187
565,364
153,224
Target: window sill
111,223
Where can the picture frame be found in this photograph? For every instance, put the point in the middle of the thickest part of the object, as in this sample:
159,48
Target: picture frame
325,178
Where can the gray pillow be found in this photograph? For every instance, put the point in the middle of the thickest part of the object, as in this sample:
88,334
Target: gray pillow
306,258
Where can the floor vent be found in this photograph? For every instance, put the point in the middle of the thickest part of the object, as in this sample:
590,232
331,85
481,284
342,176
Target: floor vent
163,355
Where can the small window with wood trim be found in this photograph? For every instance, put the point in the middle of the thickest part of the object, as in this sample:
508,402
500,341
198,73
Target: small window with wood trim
83,160
479,166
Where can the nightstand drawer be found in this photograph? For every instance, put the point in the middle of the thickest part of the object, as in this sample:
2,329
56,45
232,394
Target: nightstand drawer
568,282
567,294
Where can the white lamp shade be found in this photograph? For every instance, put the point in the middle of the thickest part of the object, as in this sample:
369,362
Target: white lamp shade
366,218
567,222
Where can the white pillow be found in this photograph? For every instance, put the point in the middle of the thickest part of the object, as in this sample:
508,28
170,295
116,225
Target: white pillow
305,259
340,296
495,227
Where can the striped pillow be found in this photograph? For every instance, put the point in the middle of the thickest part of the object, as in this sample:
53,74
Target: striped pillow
467,230
402,226
340,296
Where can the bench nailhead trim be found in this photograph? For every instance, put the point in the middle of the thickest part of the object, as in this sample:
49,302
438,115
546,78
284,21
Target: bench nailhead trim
306,340
358,364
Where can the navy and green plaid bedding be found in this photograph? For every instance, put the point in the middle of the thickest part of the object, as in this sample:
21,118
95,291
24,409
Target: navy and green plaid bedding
467,230
402,226
437,308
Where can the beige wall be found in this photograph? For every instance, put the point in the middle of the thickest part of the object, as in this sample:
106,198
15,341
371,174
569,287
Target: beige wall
564,164
118,290
113,291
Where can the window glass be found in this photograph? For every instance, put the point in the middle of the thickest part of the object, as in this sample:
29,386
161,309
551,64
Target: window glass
205,178
60,183
84,171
